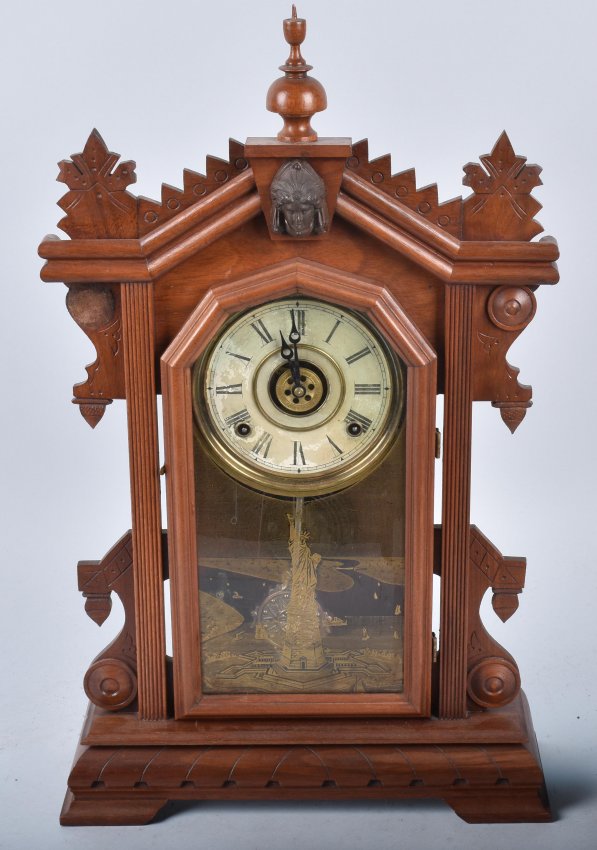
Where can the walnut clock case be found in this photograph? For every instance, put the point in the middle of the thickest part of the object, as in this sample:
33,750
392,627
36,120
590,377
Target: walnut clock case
299,308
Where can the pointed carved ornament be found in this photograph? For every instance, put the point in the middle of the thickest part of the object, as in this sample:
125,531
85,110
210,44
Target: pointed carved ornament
501,206
98,205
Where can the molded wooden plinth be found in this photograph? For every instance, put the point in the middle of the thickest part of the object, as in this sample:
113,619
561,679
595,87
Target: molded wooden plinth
98,811
504,805
487,780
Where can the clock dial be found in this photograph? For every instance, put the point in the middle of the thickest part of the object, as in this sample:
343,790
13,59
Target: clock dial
298,397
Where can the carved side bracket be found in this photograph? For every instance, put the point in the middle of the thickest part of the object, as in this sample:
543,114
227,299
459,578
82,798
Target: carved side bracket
196,186
493,678
501,206
96,309
111,681
499,317
98,205
403,187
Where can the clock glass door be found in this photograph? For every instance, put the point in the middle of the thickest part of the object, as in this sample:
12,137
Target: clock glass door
299,445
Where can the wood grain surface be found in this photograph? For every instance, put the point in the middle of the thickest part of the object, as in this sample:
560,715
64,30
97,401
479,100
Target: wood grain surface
450,285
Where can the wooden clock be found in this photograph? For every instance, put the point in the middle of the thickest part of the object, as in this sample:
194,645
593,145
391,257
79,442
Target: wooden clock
299,308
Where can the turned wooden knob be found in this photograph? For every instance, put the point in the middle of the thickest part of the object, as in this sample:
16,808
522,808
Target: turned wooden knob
493,682
296,96
110,683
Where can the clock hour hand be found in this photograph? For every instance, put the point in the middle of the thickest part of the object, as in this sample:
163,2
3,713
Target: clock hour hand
290,355
295,337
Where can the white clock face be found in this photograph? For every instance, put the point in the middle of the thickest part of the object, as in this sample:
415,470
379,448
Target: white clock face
298,397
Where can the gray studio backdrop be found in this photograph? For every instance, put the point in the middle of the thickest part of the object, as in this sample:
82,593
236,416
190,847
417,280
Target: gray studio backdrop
434,84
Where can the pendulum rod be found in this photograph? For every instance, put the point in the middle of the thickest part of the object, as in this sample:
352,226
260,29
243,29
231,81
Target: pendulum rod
299,504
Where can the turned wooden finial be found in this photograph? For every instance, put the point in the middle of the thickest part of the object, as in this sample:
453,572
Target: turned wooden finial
296,96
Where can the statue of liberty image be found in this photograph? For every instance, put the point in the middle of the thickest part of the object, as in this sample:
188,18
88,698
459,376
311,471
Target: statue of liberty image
303,649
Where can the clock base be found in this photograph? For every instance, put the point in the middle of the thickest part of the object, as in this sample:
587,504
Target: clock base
487,768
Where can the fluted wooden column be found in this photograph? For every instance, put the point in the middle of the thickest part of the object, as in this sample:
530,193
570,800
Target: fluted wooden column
456,501
138,337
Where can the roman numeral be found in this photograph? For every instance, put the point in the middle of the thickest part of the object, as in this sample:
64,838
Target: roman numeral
300,321
298,455
263,444
235,418
262,331
367,389
239,356
357,355
333,445
230,389
359,419
333,331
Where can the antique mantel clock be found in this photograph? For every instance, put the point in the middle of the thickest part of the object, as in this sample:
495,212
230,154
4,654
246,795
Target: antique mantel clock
299,308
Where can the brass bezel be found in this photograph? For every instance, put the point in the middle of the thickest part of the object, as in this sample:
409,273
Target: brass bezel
277,483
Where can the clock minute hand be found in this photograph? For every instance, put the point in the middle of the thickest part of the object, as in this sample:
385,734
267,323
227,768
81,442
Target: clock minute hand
294,335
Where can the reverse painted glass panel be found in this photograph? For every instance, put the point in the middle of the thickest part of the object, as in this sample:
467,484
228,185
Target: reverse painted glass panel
301,595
